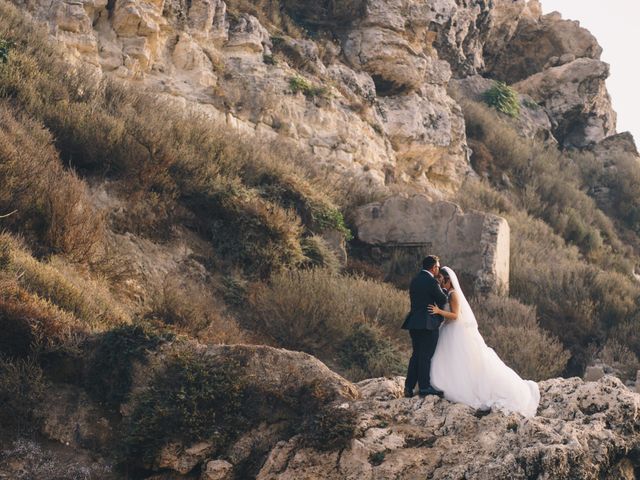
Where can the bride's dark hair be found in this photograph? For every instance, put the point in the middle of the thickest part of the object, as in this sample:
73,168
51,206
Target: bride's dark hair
445,274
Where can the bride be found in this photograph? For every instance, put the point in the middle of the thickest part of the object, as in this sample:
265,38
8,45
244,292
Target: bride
466,369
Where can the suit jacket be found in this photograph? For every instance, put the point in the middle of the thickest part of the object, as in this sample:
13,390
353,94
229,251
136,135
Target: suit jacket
424,291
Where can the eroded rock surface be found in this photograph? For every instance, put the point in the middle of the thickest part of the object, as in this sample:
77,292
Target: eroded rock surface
537,42
582,430
575,97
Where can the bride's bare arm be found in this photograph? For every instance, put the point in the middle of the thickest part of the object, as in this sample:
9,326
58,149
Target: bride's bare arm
453,303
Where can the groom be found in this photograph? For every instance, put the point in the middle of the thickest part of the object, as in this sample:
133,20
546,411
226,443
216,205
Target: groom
423,327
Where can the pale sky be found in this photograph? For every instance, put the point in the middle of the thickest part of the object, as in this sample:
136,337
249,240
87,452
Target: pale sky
614,24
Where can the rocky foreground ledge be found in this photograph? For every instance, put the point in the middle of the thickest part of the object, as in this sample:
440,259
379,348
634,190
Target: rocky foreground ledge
583,430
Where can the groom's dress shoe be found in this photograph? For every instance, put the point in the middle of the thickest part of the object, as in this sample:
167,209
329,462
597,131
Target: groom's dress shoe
408,394
431,391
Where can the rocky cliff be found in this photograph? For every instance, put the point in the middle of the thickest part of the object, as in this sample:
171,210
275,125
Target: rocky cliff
365,88
363,85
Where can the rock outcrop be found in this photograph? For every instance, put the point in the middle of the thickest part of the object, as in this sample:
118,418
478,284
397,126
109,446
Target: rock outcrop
586,430
575,97
474,244
535,43
582,430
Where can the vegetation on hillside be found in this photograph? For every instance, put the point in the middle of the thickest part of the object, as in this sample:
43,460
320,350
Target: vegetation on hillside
568,257
266,274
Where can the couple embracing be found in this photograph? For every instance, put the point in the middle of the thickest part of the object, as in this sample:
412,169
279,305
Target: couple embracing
450,357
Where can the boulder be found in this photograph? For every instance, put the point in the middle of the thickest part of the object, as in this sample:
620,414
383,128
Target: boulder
72,419
217,470
474,244
575,98
247,34
593,373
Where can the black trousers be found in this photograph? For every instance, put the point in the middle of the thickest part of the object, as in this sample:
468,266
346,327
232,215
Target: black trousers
424,346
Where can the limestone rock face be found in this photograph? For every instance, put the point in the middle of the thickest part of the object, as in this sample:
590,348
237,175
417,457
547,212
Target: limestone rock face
535,44
575,97
378,66
582,430
474,244
365,96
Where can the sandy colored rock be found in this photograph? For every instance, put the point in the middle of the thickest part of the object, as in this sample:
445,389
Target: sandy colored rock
575,97
474,244
72,419
217,470
582,430
182,460
533,44
593,373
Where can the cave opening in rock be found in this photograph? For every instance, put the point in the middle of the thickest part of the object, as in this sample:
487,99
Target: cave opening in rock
386,88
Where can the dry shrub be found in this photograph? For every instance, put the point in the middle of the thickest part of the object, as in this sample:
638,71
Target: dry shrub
317,312
547,182
21,392
320,255
62,286
250,202
192,308
51,205
512,329
620,358
367,353
31,324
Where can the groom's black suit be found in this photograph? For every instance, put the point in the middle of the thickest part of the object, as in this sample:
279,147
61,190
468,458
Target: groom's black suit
423,328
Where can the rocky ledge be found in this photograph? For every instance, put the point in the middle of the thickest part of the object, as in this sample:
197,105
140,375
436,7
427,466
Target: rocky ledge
585,430
307,422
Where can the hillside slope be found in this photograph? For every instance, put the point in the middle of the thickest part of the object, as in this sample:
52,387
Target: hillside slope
179,188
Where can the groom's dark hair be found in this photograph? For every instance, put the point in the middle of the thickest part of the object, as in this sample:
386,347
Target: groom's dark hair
429,261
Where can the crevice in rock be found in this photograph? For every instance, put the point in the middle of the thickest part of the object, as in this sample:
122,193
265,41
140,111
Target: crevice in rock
387,88
111,5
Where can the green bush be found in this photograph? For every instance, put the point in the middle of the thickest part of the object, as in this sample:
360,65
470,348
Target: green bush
109,371
192,400
367,353
299,84
503,98
319,254
332,428
5,47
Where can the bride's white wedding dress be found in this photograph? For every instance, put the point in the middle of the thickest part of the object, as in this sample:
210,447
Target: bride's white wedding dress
470,372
